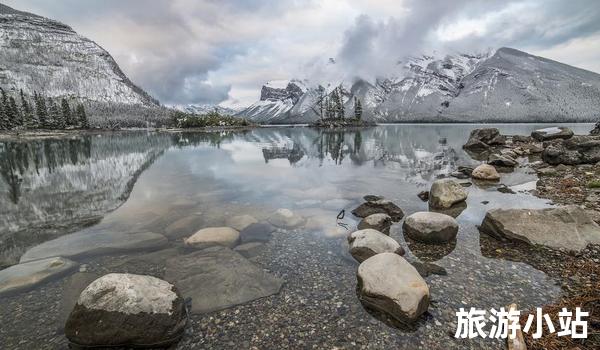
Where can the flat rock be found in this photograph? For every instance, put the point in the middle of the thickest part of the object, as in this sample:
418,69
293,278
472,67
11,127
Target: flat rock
217,278
85,243
259,232
445,193
568,228
285,218
250,250
486,172
552,133
225,236
380,206
240,222
379,222
390,284
363,244
430,227
25,276
127,310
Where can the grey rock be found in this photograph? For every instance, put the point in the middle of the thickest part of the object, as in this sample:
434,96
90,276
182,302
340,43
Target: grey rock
217,278
389,284
73,287
486,172
363,244
127,310
552,133
482,139
372,198
430,227
183,227
379,222
250,250
85,243
424,196
427,269
24,276
240,222
568,228
445,193
502,160
285,218
573,151
383,206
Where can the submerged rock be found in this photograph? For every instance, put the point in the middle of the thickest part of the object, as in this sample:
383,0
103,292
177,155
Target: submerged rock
217,278
372,198
424,196
363,244
552,133
250,250
25,276
285,218
183,227
381,206
574,151
390,284
568,228
259,232
85,243
429,227
379,222
426,269
486,172
225,236
445,193
73,287
127,310
240,222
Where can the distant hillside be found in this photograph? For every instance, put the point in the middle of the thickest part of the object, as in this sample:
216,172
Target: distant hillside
43,55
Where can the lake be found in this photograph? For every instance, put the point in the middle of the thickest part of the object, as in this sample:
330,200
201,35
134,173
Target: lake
101,187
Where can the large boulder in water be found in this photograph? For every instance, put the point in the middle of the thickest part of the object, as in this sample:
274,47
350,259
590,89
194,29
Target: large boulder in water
287,219
574,151
552,133
379,222
390,284
366,243
445,193
380,206
482,139
568,228
127,310
430,227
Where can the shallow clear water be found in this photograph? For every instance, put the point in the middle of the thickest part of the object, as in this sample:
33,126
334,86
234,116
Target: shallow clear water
138,181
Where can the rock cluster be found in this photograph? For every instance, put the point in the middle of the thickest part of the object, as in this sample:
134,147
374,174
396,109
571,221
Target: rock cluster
573,151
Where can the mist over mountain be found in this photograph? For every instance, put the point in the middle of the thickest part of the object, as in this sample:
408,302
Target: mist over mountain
507,85
43,55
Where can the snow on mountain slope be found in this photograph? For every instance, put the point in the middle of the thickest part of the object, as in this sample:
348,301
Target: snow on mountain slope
276,100
506,85
43,55
206,108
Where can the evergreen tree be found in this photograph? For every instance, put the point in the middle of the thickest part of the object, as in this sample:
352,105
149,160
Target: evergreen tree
4,121
339,103
82,117
66,113
54,120
357,109
15,114
29,120
41,111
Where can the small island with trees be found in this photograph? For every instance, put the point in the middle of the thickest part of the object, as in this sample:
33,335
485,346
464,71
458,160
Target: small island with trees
332,114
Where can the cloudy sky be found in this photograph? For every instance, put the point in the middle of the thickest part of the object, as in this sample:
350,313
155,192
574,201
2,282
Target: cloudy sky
222,51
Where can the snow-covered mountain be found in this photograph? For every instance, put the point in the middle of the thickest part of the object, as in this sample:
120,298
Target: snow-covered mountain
43,55
505,85
206,108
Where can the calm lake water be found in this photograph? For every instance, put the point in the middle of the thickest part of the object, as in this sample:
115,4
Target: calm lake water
145,181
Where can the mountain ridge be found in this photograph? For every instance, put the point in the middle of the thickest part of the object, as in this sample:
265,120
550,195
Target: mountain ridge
507,85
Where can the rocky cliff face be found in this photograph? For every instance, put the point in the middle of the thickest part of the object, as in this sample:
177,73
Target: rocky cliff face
43,55
505,86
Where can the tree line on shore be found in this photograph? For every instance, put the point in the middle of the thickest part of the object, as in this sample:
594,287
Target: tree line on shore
41,113
331,106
